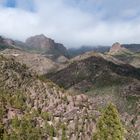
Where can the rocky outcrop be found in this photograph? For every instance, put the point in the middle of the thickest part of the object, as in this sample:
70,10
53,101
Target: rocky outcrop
46,46
116,48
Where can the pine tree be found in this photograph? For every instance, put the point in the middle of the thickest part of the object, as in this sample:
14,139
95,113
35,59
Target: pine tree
109,126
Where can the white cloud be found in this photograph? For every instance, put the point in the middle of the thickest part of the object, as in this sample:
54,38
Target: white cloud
67,24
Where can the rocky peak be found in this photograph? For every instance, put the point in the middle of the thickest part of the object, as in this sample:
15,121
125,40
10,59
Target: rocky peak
45,45
40,42
116,47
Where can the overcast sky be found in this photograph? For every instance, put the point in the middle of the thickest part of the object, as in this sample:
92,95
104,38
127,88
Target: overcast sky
72,22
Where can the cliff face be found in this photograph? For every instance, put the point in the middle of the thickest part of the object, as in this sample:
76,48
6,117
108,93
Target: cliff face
46,46
116,48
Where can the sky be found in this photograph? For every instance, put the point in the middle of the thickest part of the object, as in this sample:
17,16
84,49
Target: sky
72,22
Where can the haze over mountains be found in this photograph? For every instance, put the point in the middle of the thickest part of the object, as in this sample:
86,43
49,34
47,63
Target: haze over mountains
60,92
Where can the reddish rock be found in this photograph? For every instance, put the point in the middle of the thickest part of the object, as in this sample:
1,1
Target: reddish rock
116,47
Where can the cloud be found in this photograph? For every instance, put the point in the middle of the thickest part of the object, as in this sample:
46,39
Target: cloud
87,22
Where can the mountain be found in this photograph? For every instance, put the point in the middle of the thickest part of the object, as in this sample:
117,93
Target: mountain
46,46
117,48
93,69
81,50
36,61
132,47
129,56
102,49
38,44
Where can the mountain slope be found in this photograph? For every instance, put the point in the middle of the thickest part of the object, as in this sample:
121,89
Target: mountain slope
43,108
36,109
91,69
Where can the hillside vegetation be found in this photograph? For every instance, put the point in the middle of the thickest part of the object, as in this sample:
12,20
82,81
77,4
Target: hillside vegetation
35,109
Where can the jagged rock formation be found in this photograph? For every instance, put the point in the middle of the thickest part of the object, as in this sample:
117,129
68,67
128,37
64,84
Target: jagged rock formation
41,43
117,48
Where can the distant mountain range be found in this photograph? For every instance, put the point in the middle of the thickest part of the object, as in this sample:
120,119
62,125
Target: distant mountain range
132,47
102,49
81,50
45,55
46,46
